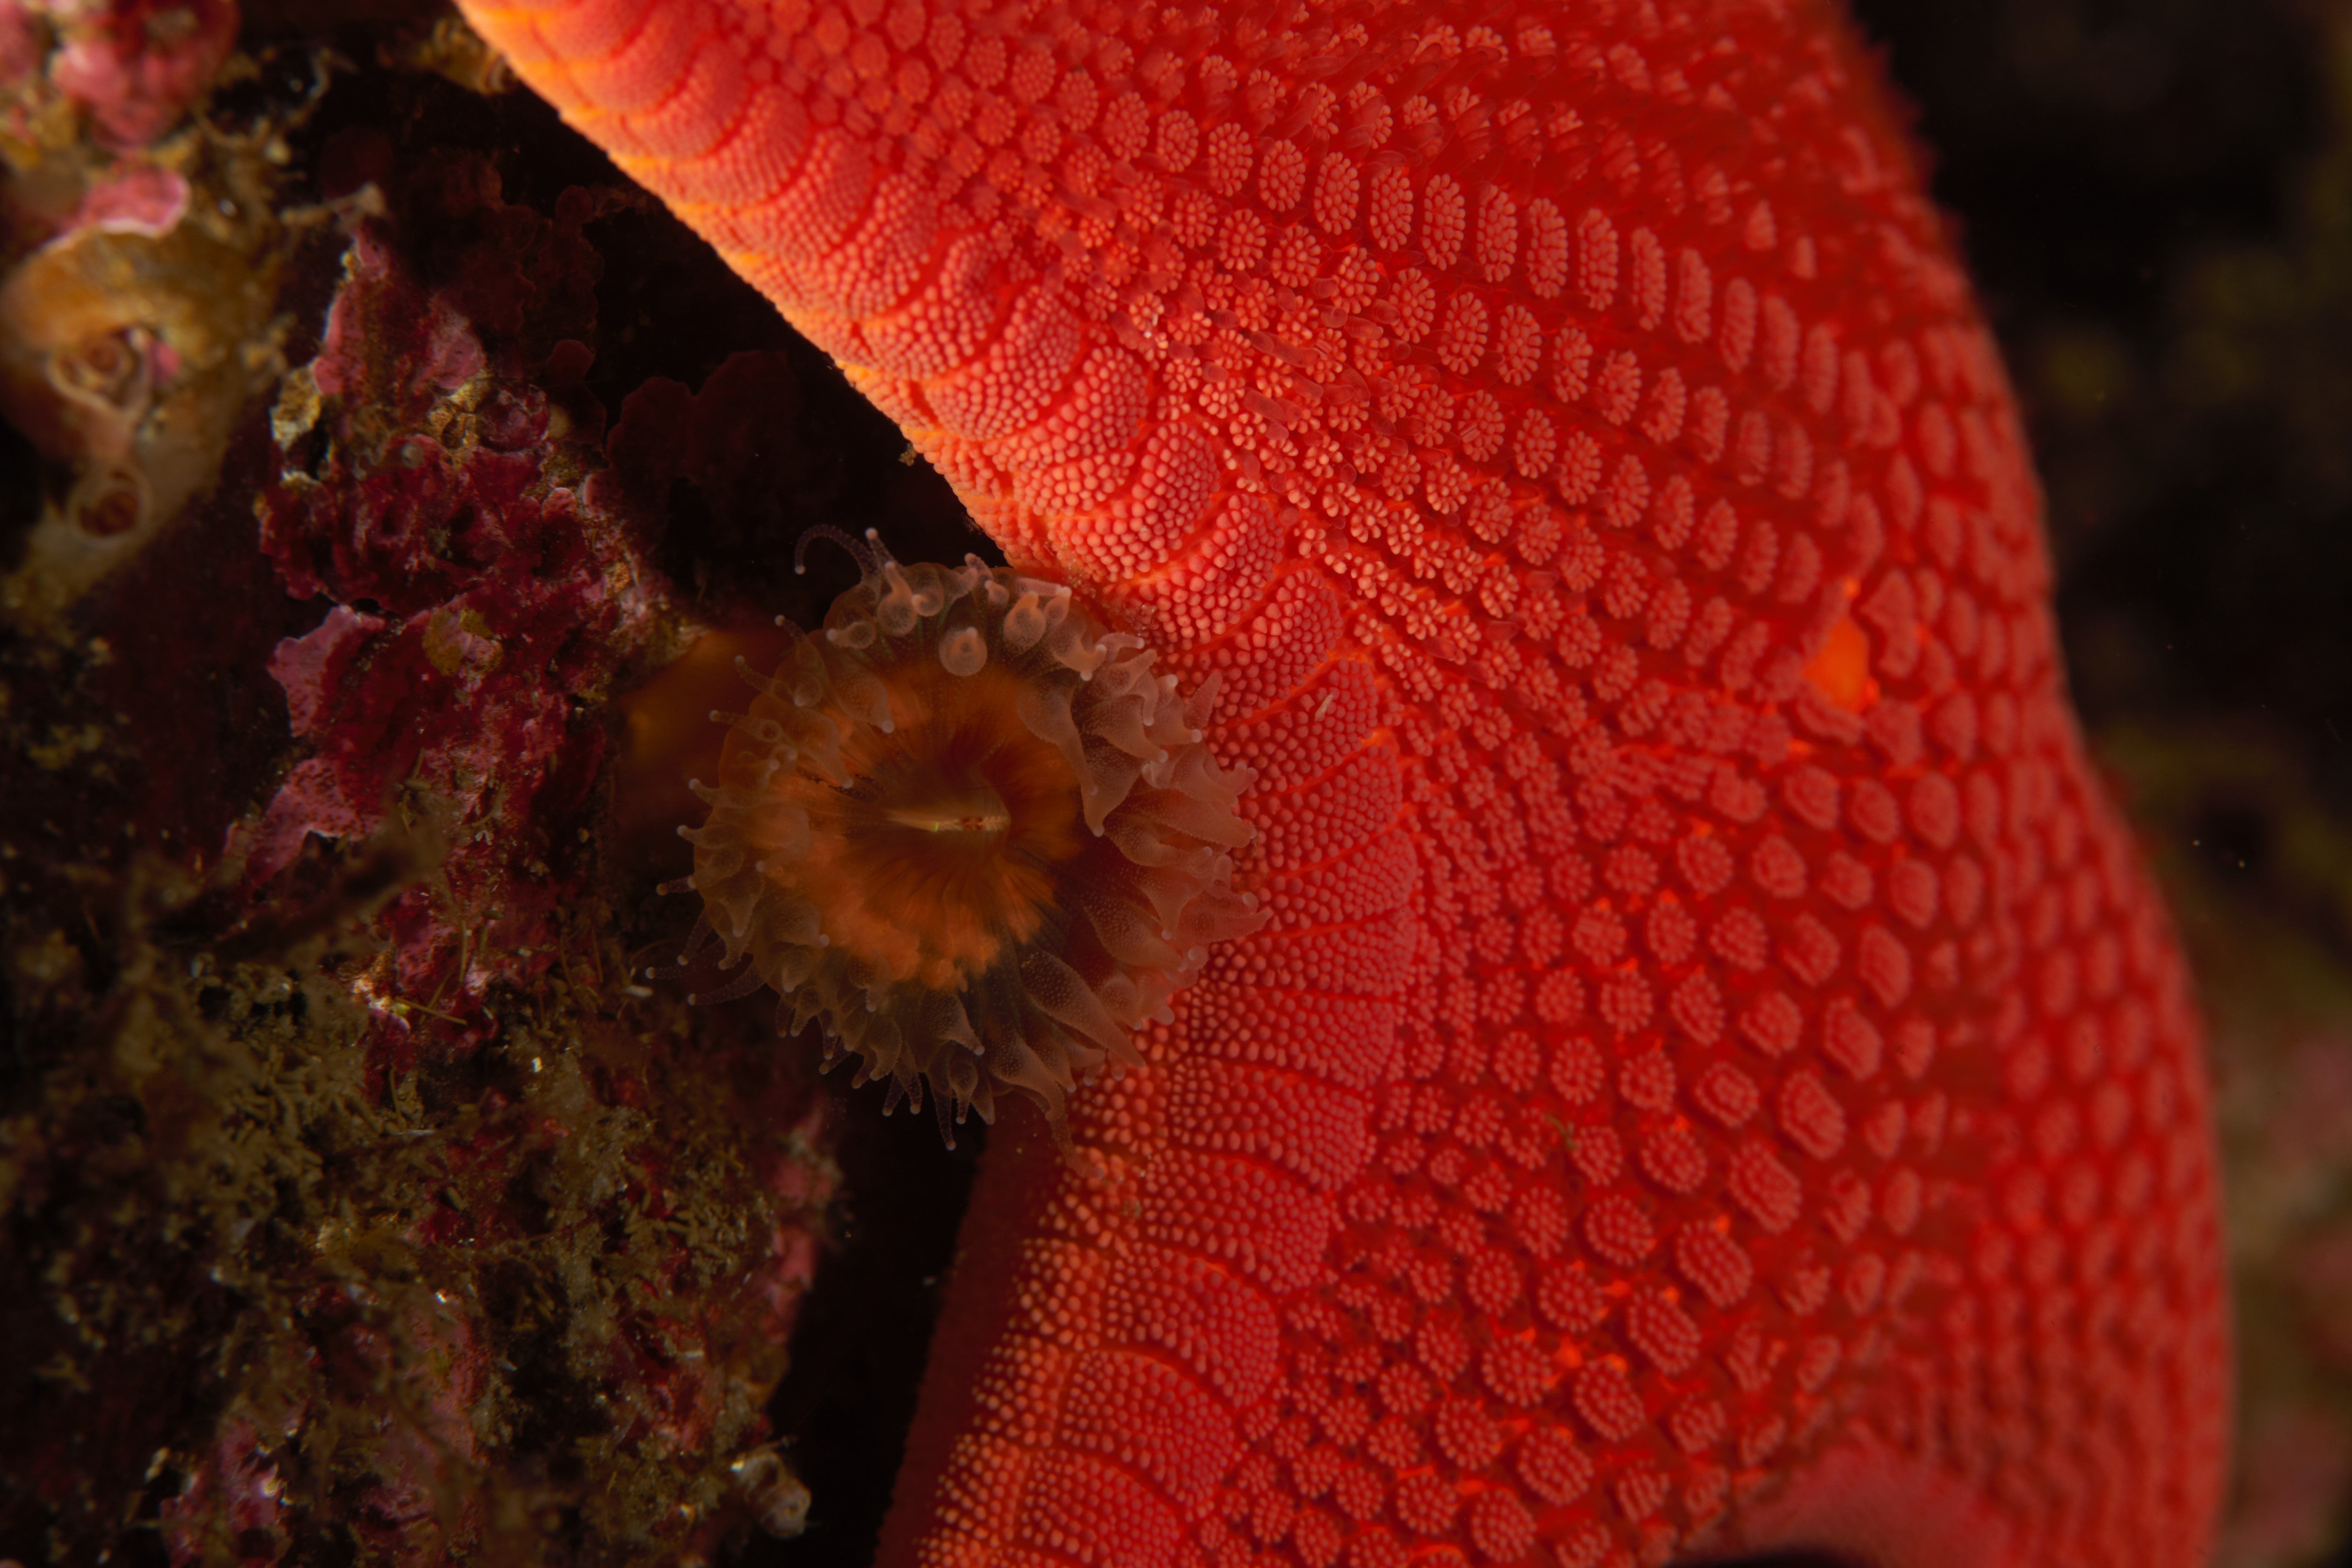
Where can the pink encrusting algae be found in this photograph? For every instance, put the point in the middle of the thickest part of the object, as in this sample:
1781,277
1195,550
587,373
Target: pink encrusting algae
1712,1075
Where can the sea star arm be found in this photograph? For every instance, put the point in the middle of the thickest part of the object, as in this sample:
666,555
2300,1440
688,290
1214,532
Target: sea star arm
1713,1076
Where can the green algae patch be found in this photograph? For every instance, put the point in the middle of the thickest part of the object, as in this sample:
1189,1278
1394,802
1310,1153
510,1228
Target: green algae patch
359,1207
280,1288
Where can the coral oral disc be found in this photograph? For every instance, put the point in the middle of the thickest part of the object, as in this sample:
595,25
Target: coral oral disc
973,835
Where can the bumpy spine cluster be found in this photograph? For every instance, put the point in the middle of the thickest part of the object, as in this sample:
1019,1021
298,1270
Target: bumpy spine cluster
938,701
1712,1072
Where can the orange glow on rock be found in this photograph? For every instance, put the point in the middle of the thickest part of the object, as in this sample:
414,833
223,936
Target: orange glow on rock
667,737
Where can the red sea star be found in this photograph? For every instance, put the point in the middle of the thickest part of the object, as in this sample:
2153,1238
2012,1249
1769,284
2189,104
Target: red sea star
1714,1078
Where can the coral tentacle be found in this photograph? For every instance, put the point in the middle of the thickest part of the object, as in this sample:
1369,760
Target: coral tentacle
1712,1075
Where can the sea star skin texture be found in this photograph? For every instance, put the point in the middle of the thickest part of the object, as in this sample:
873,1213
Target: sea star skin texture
1715,1079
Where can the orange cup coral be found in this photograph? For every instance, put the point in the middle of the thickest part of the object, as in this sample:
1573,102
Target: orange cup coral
971,832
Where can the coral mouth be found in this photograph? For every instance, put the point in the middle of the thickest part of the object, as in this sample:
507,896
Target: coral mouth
973,835
984,813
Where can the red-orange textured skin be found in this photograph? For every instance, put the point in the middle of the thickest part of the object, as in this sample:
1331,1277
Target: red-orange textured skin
1715,1077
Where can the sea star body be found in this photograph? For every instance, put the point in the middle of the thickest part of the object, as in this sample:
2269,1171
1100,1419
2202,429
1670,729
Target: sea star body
1714,1077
